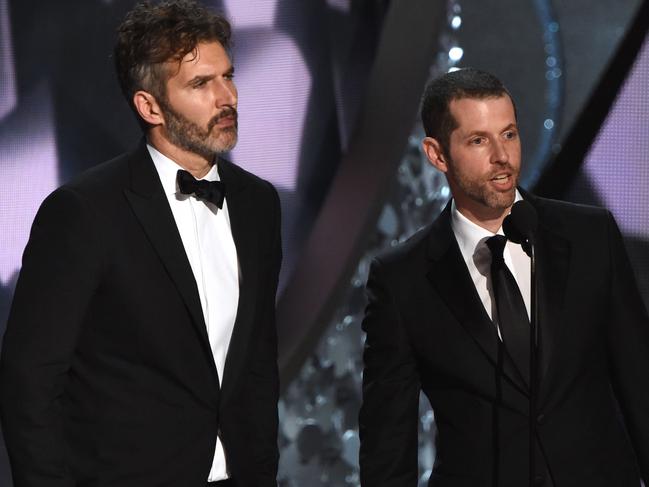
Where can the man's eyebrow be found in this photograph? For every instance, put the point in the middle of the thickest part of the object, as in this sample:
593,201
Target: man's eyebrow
473,133
208,77
484,133
200,78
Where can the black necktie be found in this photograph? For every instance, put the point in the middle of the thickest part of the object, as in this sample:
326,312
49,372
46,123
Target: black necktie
212,191
512,316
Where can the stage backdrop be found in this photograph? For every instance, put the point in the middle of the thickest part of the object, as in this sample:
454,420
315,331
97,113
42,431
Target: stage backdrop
302,73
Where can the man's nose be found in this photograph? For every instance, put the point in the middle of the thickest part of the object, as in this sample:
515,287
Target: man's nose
226,93
499,154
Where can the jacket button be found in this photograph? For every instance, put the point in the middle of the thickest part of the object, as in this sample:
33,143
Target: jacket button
539,480
540,418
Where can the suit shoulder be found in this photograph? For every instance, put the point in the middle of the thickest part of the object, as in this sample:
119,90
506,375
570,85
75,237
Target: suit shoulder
408,252
257,183
96,179
573,218
567,208
102,182
81,198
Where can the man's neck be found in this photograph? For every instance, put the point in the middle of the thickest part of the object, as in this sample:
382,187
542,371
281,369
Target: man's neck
194,163
490,219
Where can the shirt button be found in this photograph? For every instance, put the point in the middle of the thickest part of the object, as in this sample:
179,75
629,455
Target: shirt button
539,480
540,418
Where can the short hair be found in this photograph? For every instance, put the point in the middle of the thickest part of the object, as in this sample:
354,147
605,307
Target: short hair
436,115
153,34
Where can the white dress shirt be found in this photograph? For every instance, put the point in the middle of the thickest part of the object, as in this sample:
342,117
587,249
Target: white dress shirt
207,237
471,239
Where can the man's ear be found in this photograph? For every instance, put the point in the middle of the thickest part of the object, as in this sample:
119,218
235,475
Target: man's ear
148,108
435,154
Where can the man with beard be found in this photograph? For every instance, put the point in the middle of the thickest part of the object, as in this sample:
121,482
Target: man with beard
141,344
437,322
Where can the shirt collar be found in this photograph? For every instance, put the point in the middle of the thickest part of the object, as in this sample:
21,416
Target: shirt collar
168,170
468,234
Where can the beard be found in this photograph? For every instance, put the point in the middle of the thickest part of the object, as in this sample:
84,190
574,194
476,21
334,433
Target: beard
480,191
189,136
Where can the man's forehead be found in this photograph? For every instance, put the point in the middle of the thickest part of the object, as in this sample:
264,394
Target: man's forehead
474,110
479,100
197,52
207,54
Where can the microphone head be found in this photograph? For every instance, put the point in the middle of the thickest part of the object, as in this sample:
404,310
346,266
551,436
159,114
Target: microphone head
520,225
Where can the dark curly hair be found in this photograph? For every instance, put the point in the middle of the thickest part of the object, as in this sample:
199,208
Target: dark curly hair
153,34
464,83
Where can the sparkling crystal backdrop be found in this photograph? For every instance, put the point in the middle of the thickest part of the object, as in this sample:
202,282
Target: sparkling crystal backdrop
319,411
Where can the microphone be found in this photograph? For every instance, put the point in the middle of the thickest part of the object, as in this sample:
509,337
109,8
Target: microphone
520,225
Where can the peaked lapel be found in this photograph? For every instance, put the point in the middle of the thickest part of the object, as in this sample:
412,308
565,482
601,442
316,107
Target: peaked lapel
450,277
151,207
552,268
242,212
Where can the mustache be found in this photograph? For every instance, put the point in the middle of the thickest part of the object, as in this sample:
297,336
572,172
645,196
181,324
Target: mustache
228,112
507,167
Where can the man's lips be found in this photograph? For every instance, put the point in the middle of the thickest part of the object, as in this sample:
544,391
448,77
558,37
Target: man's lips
227,119
503,181
227,116
501,177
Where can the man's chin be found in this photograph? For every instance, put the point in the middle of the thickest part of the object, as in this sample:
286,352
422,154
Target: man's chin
225,142
500,201
226,147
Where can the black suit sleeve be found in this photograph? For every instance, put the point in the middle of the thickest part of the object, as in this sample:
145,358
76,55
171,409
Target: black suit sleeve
58,277
264,375
629,348
388,419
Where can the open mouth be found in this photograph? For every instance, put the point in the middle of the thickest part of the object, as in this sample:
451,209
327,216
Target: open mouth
500,178
503,181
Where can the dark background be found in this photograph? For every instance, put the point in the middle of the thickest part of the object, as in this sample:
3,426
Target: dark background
307,73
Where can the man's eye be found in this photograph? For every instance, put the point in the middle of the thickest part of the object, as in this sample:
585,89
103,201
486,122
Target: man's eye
229,77
510,135
477,141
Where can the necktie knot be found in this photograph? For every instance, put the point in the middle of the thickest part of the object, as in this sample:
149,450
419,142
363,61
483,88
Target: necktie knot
212,191
496,245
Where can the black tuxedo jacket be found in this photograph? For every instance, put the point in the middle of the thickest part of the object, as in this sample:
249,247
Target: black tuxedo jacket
107,377
427,330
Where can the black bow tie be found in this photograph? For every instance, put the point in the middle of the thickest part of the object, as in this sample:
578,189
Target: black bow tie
212,191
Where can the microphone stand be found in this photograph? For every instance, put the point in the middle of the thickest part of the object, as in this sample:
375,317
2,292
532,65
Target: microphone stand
519,227
529,247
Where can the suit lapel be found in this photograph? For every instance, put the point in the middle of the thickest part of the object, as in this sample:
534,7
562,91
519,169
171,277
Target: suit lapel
151,207
451,279
553,263
241,210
